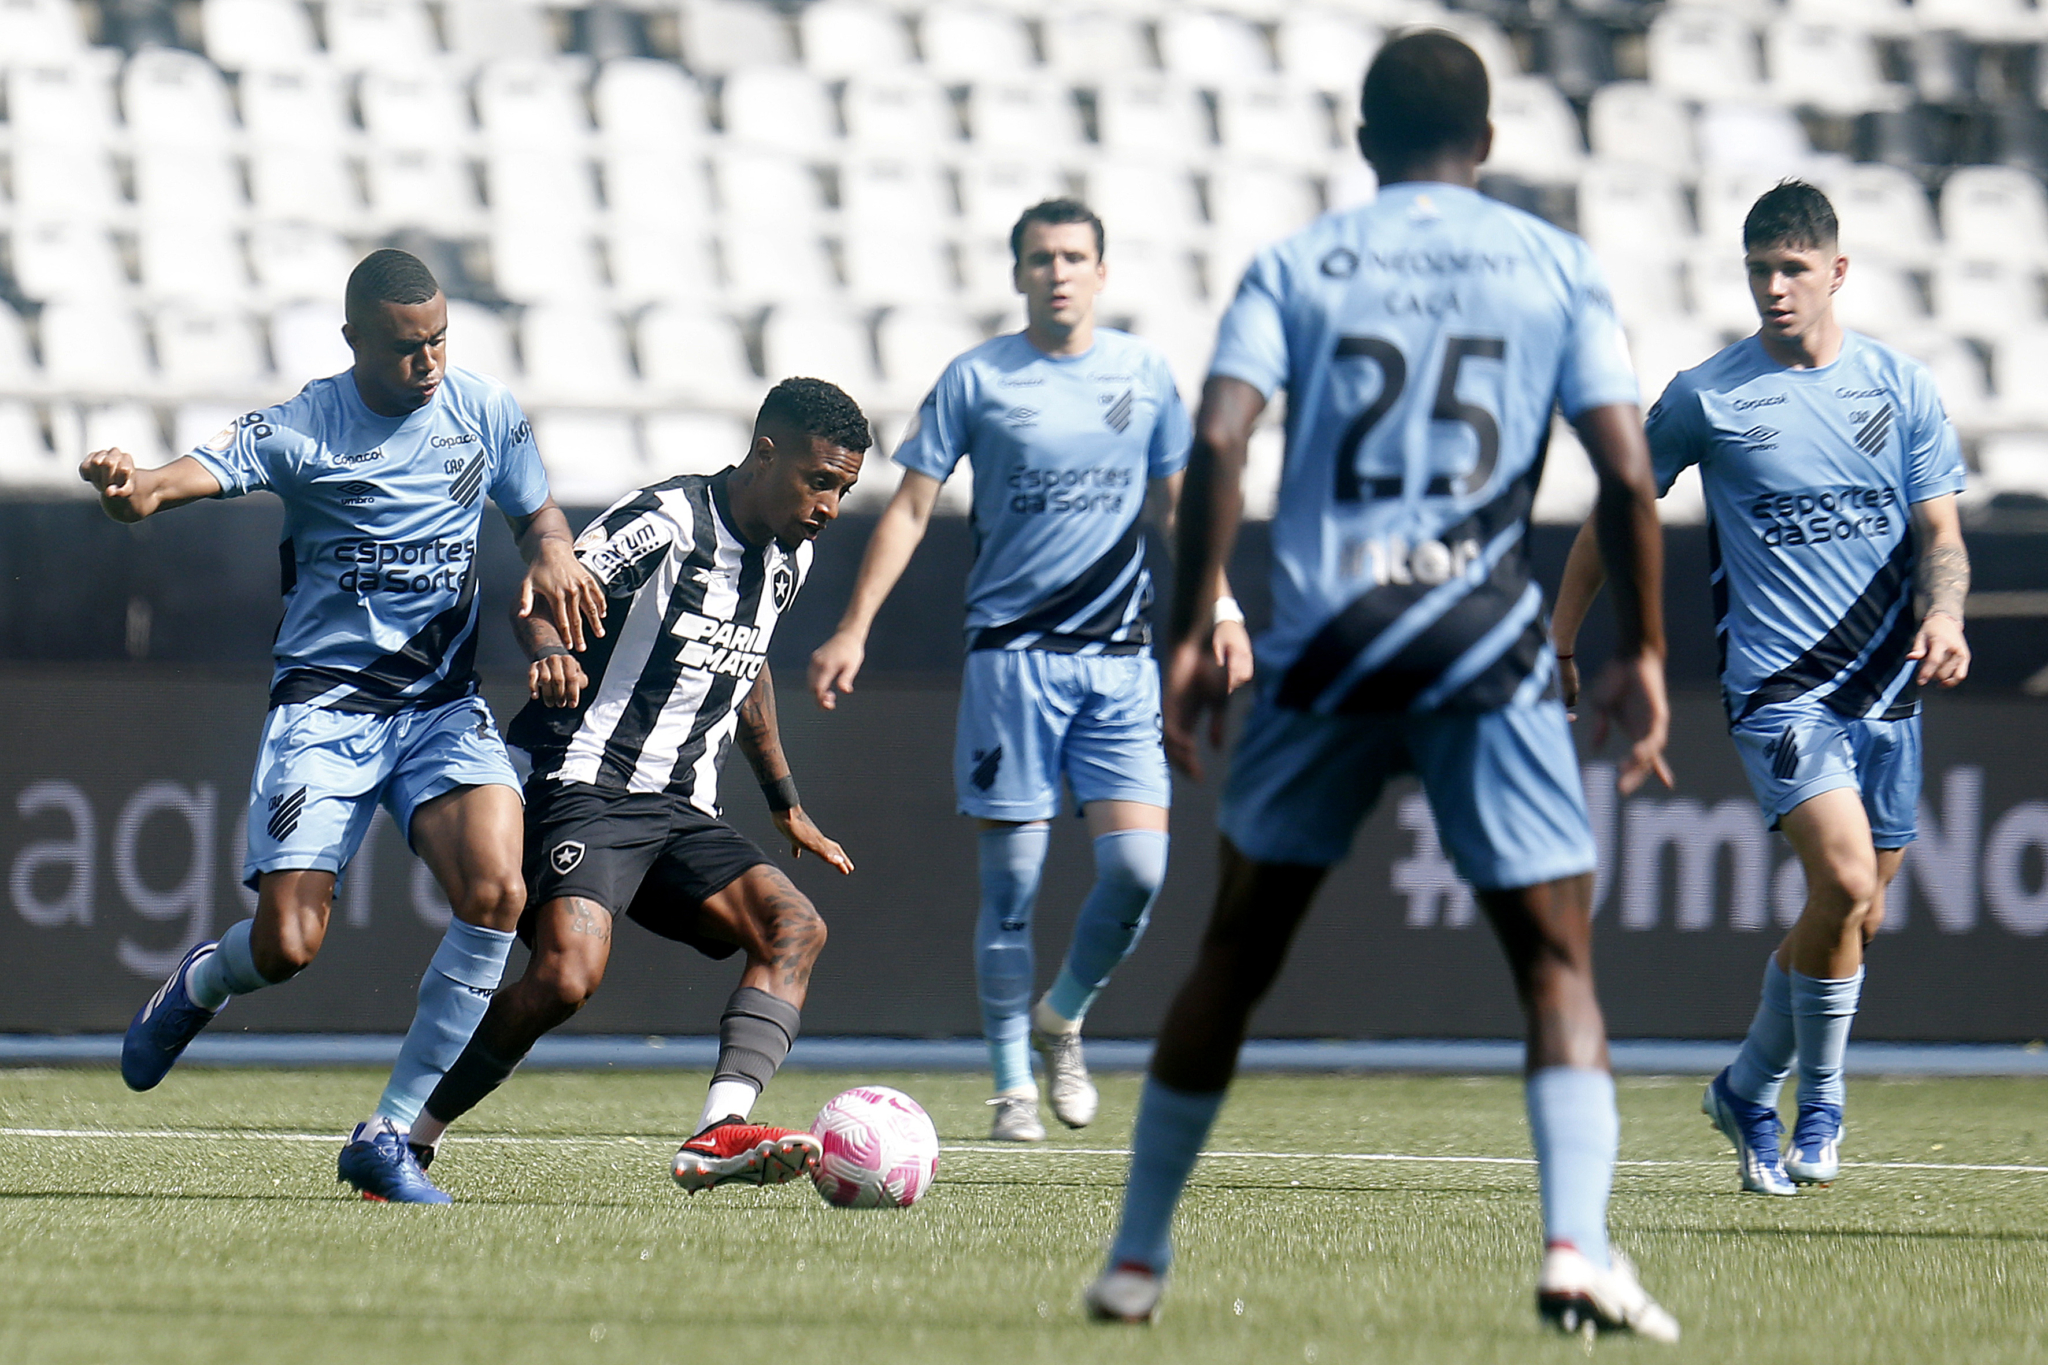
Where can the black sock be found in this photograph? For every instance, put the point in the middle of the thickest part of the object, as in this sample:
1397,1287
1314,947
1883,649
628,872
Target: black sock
754,1037
476,1073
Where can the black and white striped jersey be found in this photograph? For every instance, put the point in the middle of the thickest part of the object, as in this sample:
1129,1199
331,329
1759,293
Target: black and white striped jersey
692,608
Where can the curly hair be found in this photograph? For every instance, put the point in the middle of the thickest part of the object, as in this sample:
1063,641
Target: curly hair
814,407
1425,93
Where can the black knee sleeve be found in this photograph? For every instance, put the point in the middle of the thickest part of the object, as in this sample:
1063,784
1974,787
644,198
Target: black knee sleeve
754,1036
476,1073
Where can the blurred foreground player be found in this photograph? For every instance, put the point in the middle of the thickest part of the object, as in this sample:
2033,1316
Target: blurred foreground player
1830,472
1423,342
383,471
1070,429
622,808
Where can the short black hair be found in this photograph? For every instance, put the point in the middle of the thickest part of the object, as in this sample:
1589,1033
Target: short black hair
814,407
1425,93
388,276
1791,213
1053,212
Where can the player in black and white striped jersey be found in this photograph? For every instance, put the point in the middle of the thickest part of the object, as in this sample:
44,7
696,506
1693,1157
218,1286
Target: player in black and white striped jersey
628,739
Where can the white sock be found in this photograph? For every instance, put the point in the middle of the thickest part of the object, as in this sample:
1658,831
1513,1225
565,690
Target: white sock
727,1099
1046,1019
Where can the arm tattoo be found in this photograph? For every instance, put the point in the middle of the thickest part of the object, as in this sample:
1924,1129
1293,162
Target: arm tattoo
1944,579
536,633
795,931
760,739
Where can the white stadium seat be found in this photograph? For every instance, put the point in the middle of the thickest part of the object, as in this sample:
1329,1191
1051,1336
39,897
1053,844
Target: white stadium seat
195,259
532,104
194,423
655,186
174,98
1984,21
764,267
545,185
1351,183
414,188
770,189
1723,199
575,353
592,458
1145,277
17,366
987,272
965,41
1187,338
719,35
378,35
536,261
27,463
74,183
1880,299
1211,49
1254,206
1152,117
1635,122
1140,200
899,111
1276,121
916,345
495,30
1995,211
2018,360
2013,462
94,348
844,38
66,258
128,426
1958,375
697,357
68,105
1719,285
1626,209
414,110
1830,67
300,261
1986,298
1888,18
993,192
907,196
1326,50
800,340
177,182
655,263
1023,116
1704,52
1535,133
1661,347
40,30
201,348
779,108
306,344
1484,37
1757,137
1883,212
481,340
886,265
646,103
1645,287
295,107
310,184
695,443
1089,44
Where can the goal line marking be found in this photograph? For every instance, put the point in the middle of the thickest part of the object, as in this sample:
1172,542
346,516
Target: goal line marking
955,1149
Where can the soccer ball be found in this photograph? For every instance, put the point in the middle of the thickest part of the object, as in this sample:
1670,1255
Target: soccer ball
881,1150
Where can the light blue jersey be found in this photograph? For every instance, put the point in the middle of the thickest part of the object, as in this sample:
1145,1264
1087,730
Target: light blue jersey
1810,477
1062,448
380,533
1424,341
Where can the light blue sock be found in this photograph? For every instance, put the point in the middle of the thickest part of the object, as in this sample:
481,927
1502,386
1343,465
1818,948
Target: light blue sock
1822,1010
1130,864
1172,1125
1766,1056
454,993
229,971
1577,1132
1012,857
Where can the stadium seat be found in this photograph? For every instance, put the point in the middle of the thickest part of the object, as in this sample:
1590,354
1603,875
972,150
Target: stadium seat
1212,49
413,188
1719,285
695,443
1092,44
295,107
1575,53
129,426
655,263
194,423
380,35
646,103
1637,123
888,265
592,458
17,365
406,110
94,347
27,463
1881,299
843,38
2007,462
1703,52
1326,50
802,339
1251,207
764,266
697,357
528,105
178,182
306,184
1632,209
1983,21
1645,287
199,258
541,185
174,98
1757,137
1152,117
1484,37
987,273
721,35
1276,121
497,30
40,30
299,261
1661,347
1828,66
306,344
64,182
768,189
1145,200
1994,211
916,344
1883,212
1958,375
66,105
66,258
1723,199
648,186
1023,116
1887,18
899,111
1186,336
575,354
202,349
1535,133
994,192
480,340
1145,277
1351,183
902,195
779,108
1570,486
541,260
966,42
1986,298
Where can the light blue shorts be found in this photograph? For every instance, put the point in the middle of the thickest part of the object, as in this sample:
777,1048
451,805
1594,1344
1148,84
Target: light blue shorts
1796,750
1030,716
1504,786
320,776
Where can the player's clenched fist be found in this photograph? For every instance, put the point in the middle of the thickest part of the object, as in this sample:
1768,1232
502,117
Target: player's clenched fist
112,473
556,680
834,666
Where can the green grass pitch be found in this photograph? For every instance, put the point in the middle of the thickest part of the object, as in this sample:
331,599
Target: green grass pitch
228,1241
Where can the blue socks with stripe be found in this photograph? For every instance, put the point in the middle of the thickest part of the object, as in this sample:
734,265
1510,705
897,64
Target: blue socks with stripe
229,970
454,993
1172,1126
1012,858
1577,1133
1130,866
1766,1056
1823,1008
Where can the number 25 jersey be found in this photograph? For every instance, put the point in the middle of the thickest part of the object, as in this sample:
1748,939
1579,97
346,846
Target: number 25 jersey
1424,341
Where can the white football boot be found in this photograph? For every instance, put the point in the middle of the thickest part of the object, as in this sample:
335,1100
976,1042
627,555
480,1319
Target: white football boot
1125,1293
1816,1155
1579,1297
1016,1118
1066,1076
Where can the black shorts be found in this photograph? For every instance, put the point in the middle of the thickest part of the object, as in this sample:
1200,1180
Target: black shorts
653,857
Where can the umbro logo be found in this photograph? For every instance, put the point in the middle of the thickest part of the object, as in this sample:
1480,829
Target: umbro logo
1761,438
1021,417
565,856
1871,430
358,494
284,814
1118,413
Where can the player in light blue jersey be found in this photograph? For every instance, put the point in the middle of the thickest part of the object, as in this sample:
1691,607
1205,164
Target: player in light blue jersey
383,471
1424,342
1830,472
1068,427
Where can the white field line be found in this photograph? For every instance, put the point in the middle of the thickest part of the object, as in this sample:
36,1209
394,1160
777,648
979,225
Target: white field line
977,1149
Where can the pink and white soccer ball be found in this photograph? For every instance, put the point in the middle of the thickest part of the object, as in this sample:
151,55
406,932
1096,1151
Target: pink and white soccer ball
881,1150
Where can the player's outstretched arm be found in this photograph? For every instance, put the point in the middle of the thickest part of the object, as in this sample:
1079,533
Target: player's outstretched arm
761,741
130,494
836,663
1942,583
1211,506
554,579
1629,693
553,677
1230,644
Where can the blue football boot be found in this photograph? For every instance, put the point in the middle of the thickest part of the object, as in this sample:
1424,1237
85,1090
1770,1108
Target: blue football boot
1816,1155
1755,1131
161,1029
379,1162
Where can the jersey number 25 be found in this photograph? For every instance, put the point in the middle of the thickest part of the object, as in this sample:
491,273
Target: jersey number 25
1351,486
